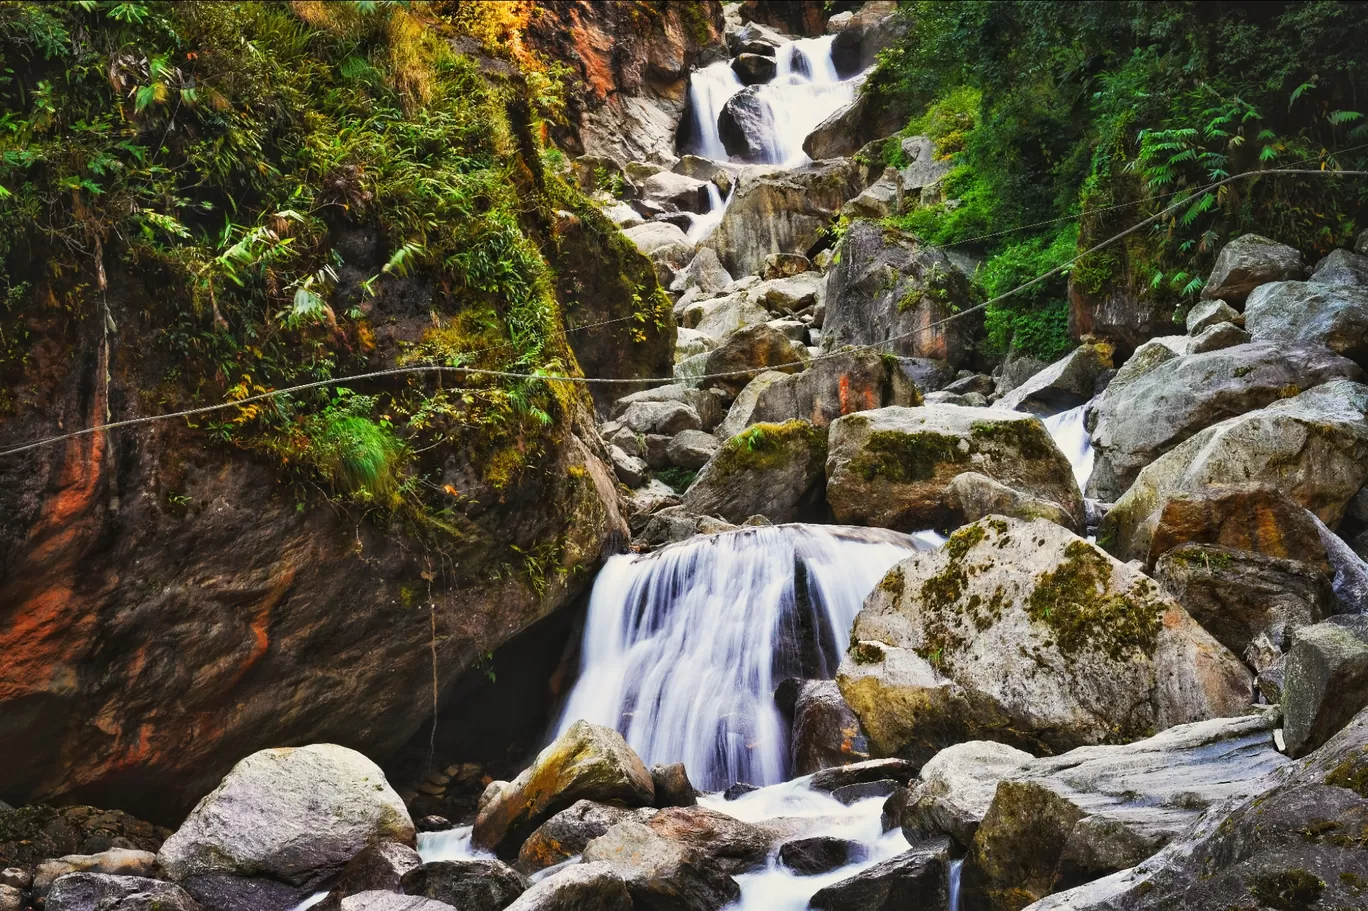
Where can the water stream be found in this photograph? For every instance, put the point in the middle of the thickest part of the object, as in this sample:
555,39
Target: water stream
684,647
1071,436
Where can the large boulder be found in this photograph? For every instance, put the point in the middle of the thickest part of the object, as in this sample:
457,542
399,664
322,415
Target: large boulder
704,272
914,879
721,316
1247,262
854,126
1208,313
873,27
739,414
1026,634
729,844
781,212
890,287
1183,395
579,887
587,762
746,126
1305,313
1326,683
708,406
1060,821
660,872
688,194
665,245
1341,267
470,885
748,353
380,866
891,466
953,791
564,835
1258,518
1313,446
1065,384
836,386
771,470
106,892
1238,596
295,814
1296,845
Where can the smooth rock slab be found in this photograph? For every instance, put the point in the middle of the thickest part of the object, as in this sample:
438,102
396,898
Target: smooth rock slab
1059,821
1302,313
821,854
1027,634
296,814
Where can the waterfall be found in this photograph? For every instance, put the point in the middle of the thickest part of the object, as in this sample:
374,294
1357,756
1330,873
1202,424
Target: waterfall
683,648
709,89
956,867
1071,436
700,226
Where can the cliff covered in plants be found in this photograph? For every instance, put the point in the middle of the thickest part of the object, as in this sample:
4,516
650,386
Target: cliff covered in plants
203,202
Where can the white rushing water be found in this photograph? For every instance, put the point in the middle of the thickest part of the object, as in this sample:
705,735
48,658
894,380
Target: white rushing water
683,648
700,226
775,888
805,91
1071,436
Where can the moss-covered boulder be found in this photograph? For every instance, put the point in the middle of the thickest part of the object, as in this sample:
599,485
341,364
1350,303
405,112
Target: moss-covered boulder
1024,633
587,762
771,470
1313,447
892,466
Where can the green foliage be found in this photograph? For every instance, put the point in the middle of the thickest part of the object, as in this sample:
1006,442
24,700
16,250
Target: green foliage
1051,112
361,456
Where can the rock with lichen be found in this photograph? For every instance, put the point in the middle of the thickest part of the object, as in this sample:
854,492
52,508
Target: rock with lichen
771,470
1024,633
892,467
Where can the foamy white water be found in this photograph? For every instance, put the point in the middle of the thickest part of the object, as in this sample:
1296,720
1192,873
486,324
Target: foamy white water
776,888
1071,436
683,648
451,844
700,226
709,89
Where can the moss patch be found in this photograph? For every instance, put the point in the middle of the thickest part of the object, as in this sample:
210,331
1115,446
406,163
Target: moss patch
902,458
1290,890
1352,774
1027,437
1077,602
764,447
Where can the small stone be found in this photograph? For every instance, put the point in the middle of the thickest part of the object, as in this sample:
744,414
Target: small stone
434,824
740,789
1208,313
864,790
822,854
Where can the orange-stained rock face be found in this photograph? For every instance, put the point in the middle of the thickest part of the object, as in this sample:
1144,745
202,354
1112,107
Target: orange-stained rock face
1253,517
146,646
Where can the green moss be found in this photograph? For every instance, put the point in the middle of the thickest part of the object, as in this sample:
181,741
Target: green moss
1077,602
866,653
894,582
1352,773
1027,437
1290,890
902,458
764,447
677,479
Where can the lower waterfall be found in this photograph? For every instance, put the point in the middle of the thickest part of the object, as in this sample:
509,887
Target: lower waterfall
684,647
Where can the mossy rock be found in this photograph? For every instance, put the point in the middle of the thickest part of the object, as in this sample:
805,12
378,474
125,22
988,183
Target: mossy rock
773,470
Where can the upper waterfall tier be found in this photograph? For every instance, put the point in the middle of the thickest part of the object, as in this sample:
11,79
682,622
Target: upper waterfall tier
684,647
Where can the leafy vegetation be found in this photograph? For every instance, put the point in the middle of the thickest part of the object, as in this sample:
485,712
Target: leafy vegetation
1066,123
274,193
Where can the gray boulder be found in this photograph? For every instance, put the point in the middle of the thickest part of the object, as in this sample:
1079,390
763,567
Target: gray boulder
753,69
661,873
1247,262
773,470
888,287
378,900
704,272
781,212
106,892
1326,681
790,294
378,867
820,854
1302,313
665,245
1060,821
470,885
1221,335
970,496
1065,384
891,467
746,126
1341,267
1293,846
227,892
587,762
1027,634
672,786
580,887
729,844
1183,395
748,353
691,449
1238,595
847,130
739,414
871,28
722,316
865,772
630,469
115,861
913,879
684,193
1208,313
833,387
785,265
296,814
1314,447
665,418
564,835
706,405
954,789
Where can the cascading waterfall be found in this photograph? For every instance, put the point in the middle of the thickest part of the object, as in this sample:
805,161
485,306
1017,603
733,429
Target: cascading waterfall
805,91
684,647
700,226
1070,434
